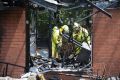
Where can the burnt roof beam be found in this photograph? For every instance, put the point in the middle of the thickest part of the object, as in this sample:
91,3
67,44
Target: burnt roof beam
45,4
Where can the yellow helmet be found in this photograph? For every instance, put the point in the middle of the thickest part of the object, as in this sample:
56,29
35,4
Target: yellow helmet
76,25
64,28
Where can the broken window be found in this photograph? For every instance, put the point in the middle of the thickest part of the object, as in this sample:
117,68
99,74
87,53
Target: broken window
75,50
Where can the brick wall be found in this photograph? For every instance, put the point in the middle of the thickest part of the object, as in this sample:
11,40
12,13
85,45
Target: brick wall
12,40
106,43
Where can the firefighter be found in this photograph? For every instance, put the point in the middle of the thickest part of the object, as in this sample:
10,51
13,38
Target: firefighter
57,40
81,35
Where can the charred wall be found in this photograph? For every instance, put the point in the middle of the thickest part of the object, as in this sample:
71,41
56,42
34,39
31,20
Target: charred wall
106,43
12,40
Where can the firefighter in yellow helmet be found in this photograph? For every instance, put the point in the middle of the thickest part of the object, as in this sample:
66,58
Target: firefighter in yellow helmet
81,35
57,40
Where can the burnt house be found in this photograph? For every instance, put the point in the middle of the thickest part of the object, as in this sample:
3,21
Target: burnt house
14,39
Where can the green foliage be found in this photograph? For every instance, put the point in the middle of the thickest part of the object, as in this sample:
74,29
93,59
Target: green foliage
42,18
76,14
43,24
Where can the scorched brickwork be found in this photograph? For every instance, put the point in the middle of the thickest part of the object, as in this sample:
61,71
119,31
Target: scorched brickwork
106,43
12,40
